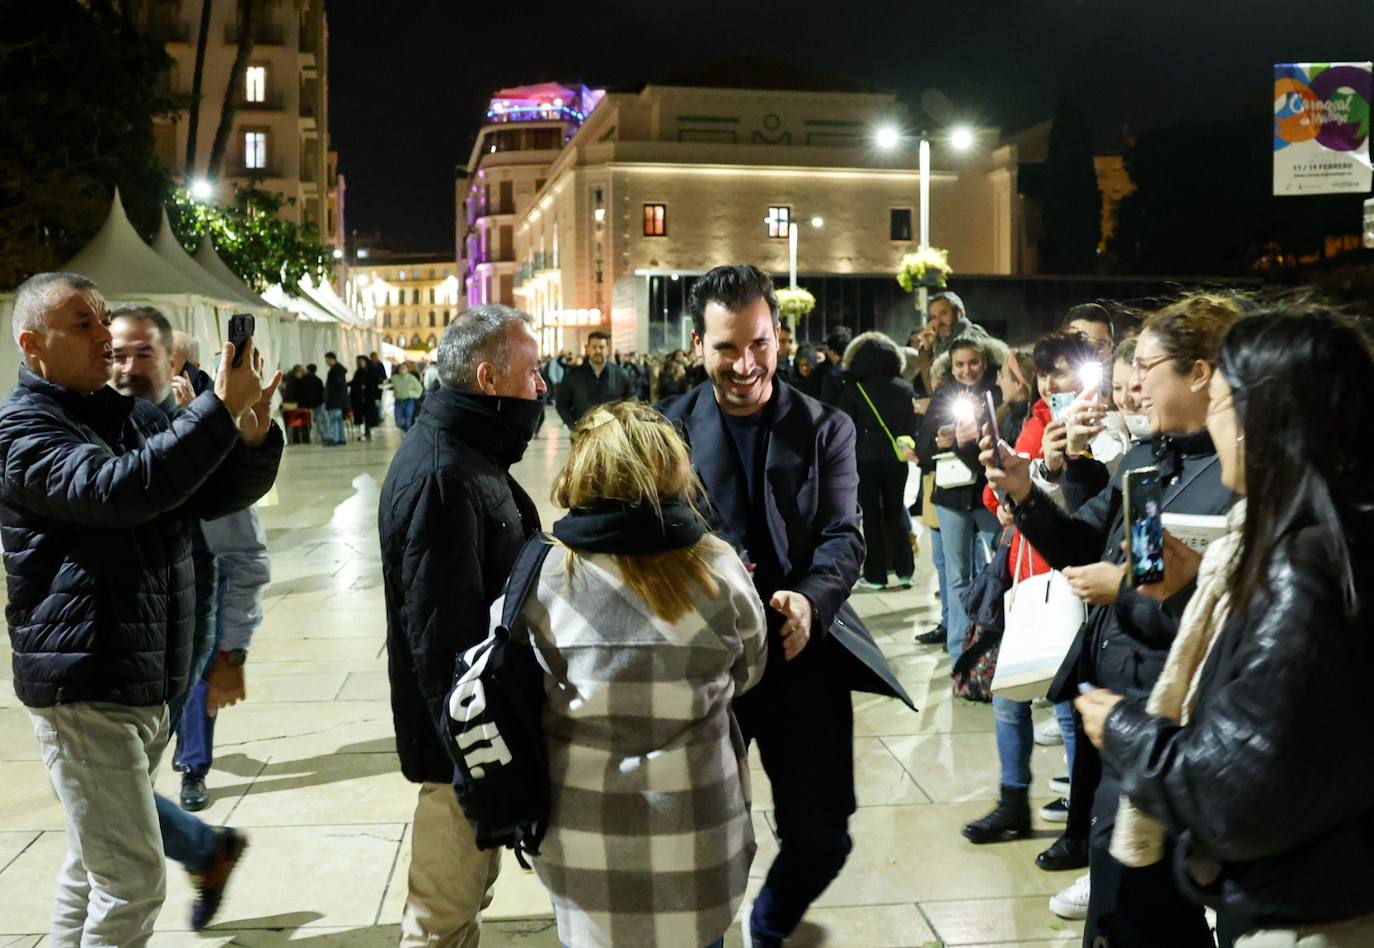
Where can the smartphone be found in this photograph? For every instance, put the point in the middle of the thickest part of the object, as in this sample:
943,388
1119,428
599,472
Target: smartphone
1143,508
1059,405
241,326
992,421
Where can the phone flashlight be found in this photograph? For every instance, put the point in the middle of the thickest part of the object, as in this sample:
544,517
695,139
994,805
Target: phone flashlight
1090,374
964,410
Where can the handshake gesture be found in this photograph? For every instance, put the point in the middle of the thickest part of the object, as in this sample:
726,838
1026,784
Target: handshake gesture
240,388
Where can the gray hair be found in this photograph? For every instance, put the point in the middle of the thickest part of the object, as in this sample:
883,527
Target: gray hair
480,334
148,314
186,343
38,294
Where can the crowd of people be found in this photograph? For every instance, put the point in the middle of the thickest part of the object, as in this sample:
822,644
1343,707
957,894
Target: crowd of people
694,598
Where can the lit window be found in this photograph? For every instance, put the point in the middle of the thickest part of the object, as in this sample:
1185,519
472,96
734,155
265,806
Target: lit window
655,220
255,84
255,150
403,275
779,218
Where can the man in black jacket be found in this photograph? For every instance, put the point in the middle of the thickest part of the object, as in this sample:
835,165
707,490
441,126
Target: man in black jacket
335,399
832,372
594,382
186,362
452,521
780,476
98,492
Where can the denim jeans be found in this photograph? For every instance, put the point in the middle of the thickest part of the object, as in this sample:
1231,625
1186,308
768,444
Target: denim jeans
968,538
405,413
937,553
330,421
1016,738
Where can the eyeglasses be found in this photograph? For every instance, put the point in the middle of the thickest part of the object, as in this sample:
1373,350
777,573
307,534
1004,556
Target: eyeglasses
1143,369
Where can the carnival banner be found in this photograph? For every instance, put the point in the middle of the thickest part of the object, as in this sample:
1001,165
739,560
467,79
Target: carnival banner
1321,128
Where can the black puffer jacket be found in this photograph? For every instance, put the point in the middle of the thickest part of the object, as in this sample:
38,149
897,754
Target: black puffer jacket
1270,788
452,521
98,495
874,362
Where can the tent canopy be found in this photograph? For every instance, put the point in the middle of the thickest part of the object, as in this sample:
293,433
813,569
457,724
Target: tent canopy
212,262
166,246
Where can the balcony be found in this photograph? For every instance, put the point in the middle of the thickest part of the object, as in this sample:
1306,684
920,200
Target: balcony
264,34
272,102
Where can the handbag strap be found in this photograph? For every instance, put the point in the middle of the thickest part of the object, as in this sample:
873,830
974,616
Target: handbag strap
873,408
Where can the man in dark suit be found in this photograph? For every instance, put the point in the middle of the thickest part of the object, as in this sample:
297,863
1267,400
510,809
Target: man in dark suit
594,382
832,373
780,476
787,357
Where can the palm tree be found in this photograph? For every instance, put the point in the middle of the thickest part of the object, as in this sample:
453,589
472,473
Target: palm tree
193,124
248,10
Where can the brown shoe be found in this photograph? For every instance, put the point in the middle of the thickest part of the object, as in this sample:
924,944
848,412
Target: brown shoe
211,883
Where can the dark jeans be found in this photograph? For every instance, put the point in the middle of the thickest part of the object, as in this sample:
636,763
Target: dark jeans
882,488
802,718
195,729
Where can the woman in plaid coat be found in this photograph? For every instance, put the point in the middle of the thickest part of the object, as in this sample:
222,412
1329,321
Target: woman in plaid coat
647,628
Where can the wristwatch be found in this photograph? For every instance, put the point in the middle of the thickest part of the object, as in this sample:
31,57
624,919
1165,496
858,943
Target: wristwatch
235,657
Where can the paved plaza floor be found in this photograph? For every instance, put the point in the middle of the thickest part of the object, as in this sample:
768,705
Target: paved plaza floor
307,768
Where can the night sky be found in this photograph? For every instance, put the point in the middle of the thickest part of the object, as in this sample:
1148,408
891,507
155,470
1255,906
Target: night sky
409,79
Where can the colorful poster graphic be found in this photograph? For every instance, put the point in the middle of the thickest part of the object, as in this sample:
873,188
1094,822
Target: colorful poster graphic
1321,128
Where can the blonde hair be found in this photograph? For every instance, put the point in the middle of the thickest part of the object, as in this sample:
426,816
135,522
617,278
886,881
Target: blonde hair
625,451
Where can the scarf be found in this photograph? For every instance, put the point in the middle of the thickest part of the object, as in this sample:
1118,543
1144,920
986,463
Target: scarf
1138,839
624,529
500,428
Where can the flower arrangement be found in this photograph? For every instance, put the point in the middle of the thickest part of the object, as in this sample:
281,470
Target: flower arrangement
793,304
928,267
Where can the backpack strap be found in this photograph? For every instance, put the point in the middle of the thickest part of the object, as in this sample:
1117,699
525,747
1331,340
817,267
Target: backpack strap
524,577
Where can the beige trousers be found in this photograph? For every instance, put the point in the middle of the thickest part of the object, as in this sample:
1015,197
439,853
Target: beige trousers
451,880
1355,933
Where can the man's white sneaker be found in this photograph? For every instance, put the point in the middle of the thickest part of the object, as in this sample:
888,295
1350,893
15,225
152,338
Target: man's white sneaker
1048,734
1072,903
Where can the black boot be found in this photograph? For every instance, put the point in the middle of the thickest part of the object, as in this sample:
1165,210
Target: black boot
1011,819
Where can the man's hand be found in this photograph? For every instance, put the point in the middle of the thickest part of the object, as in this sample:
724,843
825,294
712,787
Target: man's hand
1085,423
182,390
1054,445
239,388
1094,707
224,686
1007,471
256,422
1181,564
796,631
1098,584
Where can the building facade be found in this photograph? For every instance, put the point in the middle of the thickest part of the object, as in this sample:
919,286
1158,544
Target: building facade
280,138
410,298
525,131
667,181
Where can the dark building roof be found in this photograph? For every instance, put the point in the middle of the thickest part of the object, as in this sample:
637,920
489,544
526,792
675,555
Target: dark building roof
755,73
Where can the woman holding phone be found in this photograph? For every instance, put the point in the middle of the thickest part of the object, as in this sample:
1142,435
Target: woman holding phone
967,529
1123,644
1267,788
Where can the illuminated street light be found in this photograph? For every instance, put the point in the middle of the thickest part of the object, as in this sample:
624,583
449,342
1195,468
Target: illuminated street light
961,138
818,222
888,137
202,190
338,254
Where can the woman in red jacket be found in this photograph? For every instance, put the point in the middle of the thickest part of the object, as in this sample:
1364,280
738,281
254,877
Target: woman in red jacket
1058,358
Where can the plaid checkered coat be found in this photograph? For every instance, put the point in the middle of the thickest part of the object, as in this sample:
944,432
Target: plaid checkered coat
650,838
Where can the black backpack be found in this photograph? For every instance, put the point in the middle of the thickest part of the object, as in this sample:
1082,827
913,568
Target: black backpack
493,728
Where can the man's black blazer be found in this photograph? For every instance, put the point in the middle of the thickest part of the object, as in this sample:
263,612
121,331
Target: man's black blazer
813,512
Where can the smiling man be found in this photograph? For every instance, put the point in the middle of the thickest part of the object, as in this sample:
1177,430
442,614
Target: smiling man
98,494
782,486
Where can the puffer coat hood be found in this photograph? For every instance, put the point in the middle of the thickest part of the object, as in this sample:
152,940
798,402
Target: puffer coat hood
873,355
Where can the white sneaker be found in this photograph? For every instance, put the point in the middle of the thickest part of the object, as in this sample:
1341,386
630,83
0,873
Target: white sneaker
1072,903
1048,734
1061,785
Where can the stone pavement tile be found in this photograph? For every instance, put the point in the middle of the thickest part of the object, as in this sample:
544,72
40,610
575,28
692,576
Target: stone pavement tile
357,649
27,800
915,853
875,926
331,789
366,686
227,782
27,885
298,877
306,729
767,843
999,920
17,740
879,780
19,941
262,685
12,844
954,767
7,696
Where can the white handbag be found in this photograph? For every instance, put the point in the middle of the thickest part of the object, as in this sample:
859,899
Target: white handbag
951,471
1042,618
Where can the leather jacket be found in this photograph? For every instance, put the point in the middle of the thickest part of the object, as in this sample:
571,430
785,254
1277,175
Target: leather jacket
1269,791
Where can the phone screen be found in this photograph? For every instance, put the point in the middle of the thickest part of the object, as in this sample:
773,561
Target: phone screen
1145,525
